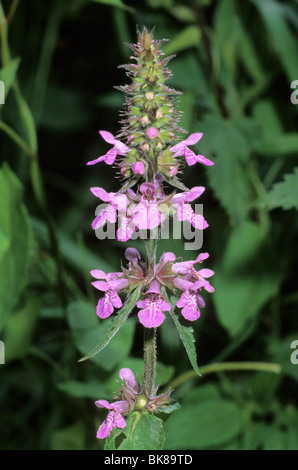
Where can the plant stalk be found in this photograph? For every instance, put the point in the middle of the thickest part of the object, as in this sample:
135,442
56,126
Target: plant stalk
149,361
150,333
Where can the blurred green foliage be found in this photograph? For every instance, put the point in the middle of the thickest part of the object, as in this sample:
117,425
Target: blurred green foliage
235,65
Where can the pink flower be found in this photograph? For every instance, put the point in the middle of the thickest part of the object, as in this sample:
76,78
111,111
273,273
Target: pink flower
118,149
188,303
185,211
125,230
118,202
153,306
128,377
199,277
151,315
131,386
190,281
132,254
146,213
146,209
138,168
190,157
185,267
112,283
114,418
152,132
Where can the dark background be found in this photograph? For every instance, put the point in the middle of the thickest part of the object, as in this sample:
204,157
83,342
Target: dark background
235,64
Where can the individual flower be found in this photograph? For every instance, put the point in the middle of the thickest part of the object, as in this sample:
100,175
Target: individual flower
152,133
190,281
185,211
191,158
146,214
114,418
138,168
111,284
187,270
118,149
117,204
190,302
152,307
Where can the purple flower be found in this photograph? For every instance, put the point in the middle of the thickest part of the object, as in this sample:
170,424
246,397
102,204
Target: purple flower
114,418
147,214
128,377
185,267
138,168
112,283
191,158
118,202
184,210
190,281
153,306
118,149
152,132
132,254
188,303
151,315
146,209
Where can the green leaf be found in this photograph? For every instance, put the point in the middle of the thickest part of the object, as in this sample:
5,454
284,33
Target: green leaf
283,144
182,13
115,324
94,389
187,104
8,73
16,240
226,29
285,193
69,438
87,329
283,432
115,3
143,432
248,54
266,116
200,425
20,328
195,74
284,42
229,148
188,37
187,337
69,248
246,278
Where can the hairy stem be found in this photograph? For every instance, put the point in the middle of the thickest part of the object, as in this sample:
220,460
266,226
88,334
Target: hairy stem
150,333
149,360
